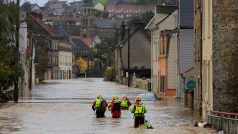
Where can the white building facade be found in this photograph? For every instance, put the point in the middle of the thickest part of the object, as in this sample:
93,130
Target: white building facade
165,18
65,61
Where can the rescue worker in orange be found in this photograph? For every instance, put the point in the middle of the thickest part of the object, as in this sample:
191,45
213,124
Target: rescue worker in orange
115,107
125,103
100,105
139,111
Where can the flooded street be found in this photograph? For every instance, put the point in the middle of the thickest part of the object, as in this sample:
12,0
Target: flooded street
64,107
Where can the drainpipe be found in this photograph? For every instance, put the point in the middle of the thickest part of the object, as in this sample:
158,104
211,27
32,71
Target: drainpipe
32,62
178,52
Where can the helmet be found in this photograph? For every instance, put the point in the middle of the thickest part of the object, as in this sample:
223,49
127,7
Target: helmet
115,97
99,97
138,98
125,97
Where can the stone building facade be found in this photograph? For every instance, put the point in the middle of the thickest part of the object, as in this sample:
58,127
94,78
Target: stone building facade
225,59
216,61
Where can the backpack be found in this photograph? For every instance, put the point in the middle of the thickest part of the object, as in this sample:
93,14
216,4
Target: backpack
117,106
98,104
148,125
103,106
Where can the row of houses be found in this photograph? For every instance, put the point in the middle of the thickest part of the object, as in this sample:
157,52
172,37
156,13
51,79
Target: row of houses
51,48
163,54
187,54
46,55
170,47
192,50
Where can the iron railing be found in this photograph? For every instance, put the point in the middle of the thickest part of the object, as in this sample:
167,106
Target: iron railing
228,122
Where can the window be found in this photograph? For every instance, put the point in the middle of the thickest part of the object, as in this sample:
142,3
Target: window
164,40
162,45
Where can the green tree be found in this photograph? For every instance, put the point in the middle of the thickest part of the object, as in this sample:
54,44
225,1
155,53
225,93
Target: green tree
10,69
8,21
75,31
104,54
41,58
26,7
102,1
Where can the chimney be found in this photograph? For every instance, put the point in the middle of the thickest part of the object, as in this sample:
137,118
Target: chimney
122,31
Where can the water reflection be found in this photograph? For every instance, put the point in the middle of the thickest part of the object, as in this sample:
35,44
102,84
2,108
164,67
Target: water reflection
65,107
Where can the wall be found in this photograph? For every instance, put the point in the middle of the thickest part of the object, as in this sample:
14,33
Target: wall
65,65
186,55
170,23
139,52
172,63
197,55
155,32
207,84
225,59
23,42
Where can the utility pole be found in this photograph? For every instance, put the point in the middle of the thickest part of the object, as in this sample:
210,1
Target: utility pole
128,56
16,84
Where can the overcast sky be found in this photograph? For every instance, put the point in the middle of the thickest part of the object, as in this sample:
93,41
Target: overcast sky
42,2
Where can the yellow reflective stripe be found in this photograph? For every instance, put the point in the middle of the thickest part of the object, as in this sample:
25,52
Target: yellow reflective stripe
124,103
139,109
98,103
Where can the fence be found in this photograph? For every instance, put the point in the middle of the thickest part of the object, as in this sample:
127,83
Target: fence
228,122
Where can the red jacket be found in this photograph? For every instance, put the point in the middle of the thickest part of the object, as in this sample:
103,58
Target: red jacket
115,108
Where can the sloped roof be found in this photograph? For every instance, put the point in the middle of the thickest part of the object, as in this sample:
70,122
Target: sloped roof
48,29
79,43
108,23
33,5
88,41
77,3
175,11
188,70
105,23
165,9
117,2
132,33
150,23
